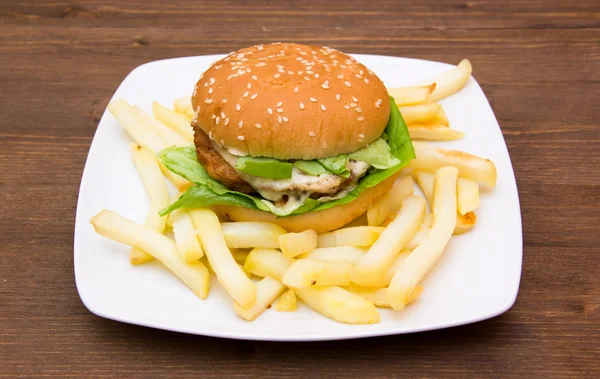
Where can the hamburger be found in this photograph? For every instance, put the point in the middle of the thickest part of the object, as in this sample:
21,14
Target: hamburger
302,136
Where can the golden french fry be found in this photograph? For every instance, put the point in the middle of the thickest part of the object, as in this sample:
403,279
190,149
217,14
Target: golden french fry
252,234
240,255
169,137
132,124
418,237
370,268
432,131
420,261
156,189
183,105
360,236
267,262
180,183
468,196
451,81
378,296
267,291
425,179
233,279
442,118
431,157
307,272
186,238
378,210
286,302
411,95
419,113
337,253
403,187
339,304
177,122
118,228
293,244
428,219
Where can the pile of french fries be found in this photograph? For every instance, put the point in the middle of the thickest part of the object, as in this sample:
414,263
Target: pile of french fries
378,260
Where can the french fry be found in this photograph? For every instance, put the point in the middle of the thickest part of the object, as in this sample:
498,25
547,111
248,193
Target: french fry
339,304
240,255
293,244
418,237
178,182
118,228
177,122
183,105
419,113
286,302
403,187
422,259
370,268
252,234
411,95
425,179
186,238
169,137
442,118
378,210
431,157
433,131
468,196
339,253
233,279
451,81
132,124
267,262
304,273
156,189
267,291
378,296
360,236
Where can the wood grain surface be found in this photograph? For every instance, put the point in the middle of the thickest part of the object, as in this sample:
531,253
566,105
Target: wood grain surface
538,62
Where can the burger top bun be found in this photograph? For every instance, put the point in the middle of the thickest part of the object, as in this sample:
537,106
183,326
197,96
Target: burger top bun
290,101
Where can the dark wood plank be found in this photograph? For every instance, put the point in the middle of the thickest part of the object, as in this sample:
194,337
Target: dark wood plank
538,62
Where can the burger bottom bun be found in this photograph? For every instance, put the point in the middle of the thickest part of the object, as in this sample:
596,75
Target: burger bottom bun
320,221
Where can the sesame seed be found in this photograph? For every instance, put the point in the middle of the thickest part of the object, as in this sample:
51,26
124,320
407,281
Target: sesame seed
308,68
360,118
347,106
378,103
362,72
227,121
306,78
213,116
223,100
217,120
323,108
249,85
361,136
208,101
247,70
291,72
296,89
254,77
285,119
313,99
241,138
211,80
241,123
218,67
355,99
246,94
317,76
309,72
358,110
258,126
279,119
358,76
279,110
340,76
279,66
254,96
338,97
301,105
282,71
300,72
327,69
238,107
269,111
277,75
325,86
312,134
210,90
348,83
299,58
223,115
343,66
353,105
279,104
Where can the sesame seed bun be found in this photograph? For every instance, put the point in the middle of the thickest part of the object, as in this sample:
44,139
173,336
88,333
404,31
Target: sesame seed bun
291,101
320,221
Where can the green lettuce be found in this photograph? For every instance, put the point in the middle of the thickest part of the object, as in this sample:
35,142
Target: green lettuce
264,167
207,191
311,167
378,154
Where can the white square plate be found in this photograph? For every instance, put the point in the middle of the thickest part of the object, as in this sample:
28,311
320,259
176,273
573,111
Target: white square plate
477,277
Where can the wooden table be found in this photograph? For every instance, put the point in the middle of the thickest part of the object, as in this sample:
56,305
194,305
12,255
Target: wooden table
538,61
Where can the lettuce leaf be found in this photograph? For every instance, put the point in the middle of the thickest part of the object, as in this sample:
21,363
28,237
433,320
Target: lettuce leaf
311,167
264,167
378,154
208,191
